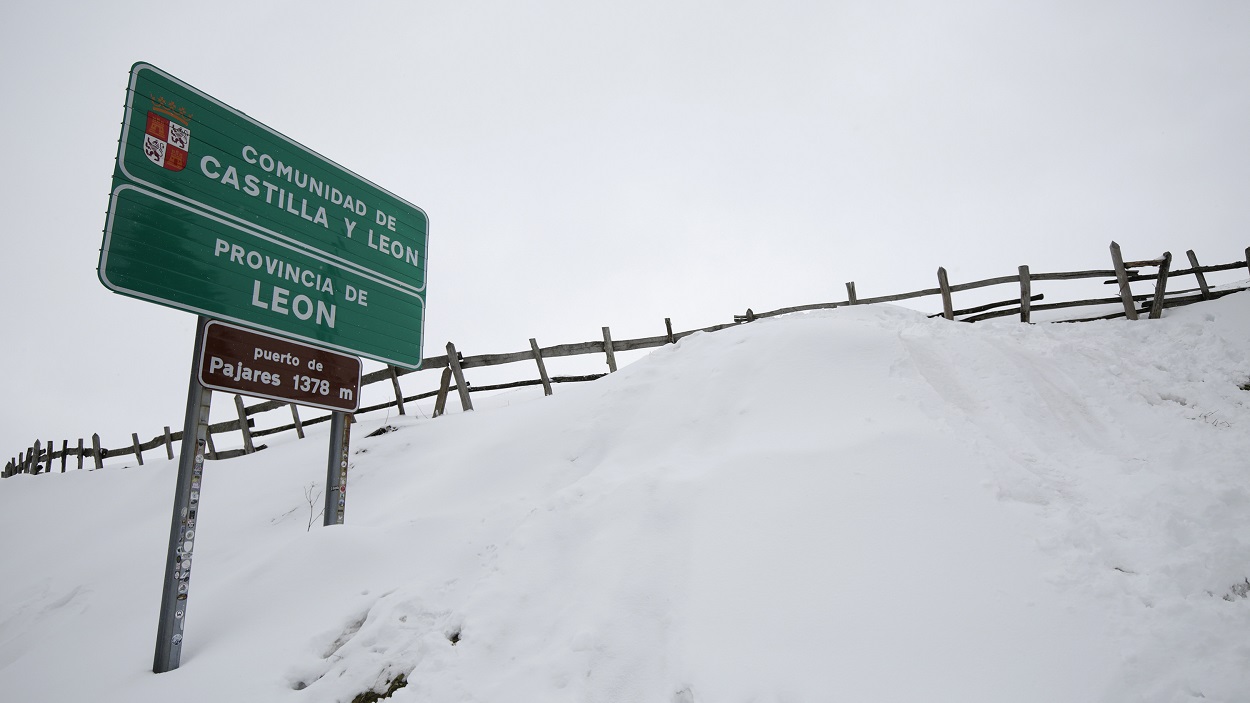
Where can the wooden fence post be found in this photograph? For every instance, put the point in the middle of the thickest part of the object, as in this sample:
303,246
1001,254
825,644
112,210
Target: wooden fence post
208,438
95,451
64,453
80,453
850,292
444,386
948,308
607,348
453,361
134,437
169,443
1126,293
668,326
48,464
1156,307
542,367
35,455
248,448
1202,279
1026,294
399,394
299,426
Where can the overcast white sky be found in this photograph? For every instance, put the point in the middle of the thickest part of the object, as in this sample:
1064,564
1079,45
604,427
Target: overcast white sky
589,164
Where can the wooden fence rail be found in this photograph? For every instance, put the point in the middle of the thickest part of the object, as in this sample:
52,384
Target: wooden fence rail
43,457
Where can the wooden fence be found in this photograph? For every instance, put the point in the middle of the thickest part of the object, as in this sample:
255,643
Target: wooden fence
44,458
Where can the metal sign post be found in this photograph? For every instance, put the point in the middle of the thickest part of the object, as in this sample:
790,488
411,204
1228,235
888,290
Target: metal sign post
336,471
169,630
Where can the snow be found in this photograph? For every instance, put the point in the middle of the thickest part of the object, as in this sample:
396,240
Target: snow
859,504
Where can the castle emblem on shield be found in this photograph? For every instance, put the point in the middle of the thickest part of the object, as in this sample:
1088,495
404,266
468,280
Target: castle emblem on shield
167,138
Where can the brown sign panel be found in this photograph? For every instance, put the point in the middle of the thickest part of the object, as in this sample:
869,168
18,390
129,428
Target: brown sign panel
242,361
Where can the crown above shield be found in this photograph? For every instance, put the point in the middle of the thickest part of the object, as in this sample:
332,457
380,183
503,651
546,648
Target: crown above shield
170,109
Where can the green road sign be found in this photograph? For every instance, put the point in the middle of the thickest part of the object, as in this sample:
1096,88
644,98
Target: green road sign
215,213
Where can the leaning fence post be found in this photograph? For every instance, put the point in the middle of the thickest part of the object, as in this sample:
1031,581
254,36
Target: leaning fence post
169,443
134,437
850,292
1026,294
95,451
299,426
1156,307
668,326
948,309
453,361
444,387
399,394
1126,293
542,367
1202,279
607,347
248,448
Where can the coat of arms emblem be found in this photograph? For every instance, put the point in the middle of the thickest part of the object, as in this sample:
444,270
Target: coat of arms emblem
167,138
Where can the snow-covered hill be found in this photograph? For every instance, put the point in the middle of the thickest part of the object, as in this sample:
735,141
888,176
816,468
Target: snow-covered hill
856,505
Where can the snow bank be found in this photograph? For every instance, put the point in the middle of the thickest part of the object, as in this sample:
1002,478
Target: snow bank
859,504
